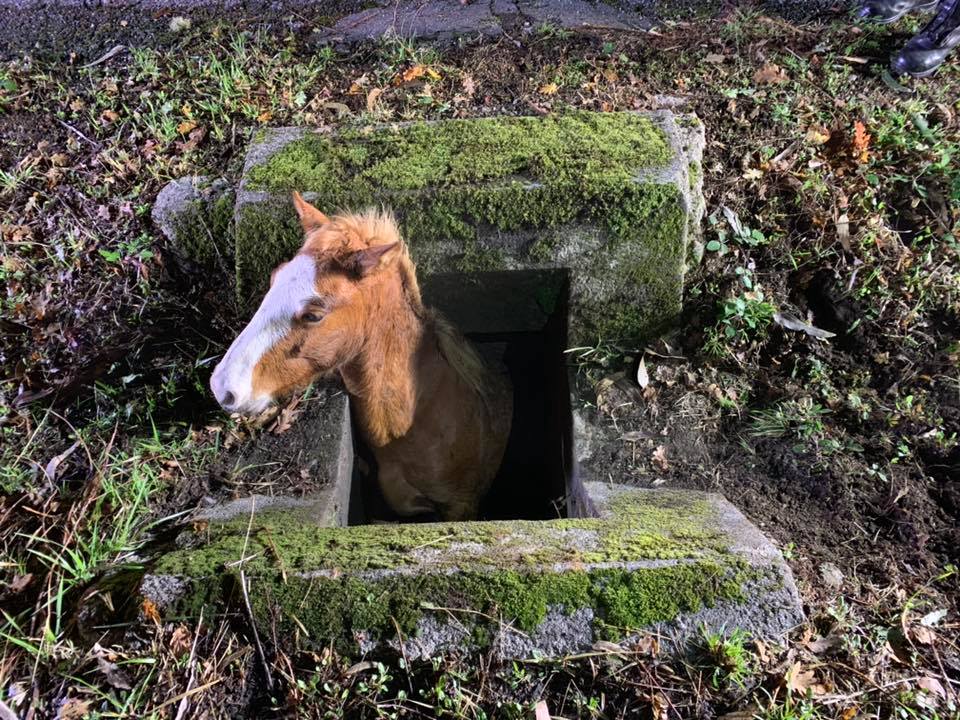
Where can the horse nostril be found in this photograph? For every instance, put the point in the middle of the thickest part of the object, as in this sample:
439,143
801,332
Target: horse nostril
228,399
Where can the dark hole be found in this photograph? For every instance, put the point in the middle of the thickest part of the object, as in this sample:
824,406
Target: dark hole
518,318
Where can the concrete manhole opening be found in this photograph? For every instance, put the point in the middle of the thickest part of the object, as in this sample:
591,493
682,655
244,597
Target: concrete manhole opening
516,319
531,235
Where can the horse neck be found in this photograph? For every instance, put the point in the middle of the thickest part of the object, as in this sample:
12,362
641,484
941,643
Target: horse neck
382,379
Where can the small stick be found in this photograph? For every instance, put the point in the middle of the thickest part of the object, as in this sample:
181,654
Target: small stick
246,598
184,704
116,49
79,134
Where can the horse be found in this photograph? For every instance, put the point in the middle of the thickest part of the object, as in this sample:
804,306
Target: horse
435,416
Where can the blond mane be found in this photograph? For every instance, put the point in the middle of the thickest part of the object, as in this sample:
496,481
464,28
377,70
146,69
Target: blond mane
375,227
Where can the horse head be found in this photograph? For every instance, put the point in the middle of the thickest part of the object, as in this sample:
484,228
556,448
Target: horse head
318,311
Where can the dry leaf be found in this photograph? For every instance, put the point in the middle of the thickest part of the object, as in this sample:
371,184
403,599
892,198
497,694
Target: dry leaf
50,471
715,58
150,611
264,117
659,458
850,712
817,135
108,117
799,681
643,379
549,89
20,583
770,74
861,142
785,320
73,709
659,707
372,98
186,126
924,635
409,75
932,686
340,108
181,641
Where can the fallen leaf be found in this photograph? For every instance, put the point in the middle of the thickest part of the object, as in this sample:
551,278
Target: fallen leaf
372,98
20,583
264,117
72,709
340,108
409,75
186,126
790,322
770,74
150,610
643,379
817,135
924,635
799,681
635,436
549,89
469,86
181,641
715,58
109,116
932,686
50,470
861,142
933,618
659,458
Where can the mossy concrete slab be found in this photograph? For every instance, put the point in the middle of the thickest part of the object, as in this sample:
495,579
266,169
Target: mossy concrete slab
614,197
194,213
306,471
636,560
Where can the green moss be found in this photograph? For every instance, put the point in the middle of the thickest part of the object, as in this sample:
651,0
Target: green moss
338,581
337,608
202,231
455,183
564,149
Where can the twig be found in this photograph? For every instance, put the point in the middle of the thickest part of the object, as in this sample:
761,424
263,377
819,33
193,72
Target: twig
182,709
246,597
403,653
79,134
115,50
183,695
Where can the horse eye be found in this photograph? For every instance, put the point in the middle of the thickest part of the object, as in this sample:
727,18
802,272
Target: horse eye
311,317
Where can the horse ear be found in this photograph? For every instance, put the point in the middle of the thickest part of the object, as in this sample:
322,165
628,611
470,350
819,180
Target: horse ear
310,217
364,262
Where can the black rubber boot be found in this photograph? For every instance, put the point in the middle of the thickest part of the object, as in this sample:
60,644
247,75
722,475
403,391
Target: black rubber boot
927,50
888,11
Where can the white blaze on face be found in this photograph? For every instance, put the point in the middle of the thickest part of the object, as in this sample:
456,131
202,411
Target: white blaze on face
232,379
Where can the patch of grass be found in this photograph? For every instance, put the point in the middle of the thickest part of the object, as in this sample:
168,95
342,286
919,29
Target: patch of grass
726,657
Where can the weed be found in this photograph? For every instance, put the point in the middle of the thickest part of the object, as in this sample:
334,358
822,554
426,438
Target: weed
801,419
727,657
742,319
